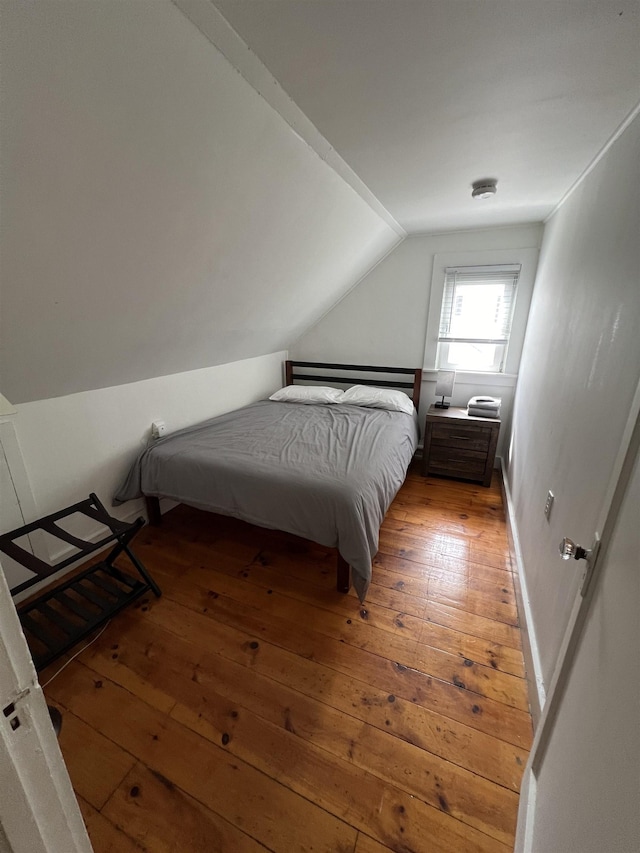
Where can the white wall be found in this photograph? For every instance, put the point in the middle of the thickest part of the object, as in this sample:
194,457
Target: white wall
158,215
85,442
579,372
384,319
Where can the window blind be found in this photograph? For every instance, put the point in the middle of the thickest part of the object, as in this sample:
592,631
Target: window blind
477,305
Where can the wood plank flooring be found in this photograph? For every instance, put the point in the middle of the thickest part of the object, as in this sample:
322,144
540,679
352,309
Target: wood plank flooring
254,708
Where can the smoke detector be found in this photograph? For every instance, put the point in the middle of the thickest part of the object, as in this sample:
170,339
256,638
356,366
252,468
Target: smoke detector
484,188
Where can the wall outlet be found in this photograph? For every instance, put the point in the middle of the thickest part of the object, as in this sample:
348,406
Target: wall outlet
548,504
158,429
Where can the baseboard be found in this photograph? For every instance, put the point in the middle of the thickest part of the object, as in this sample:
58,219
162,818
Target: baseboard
533,669
526,812
166,504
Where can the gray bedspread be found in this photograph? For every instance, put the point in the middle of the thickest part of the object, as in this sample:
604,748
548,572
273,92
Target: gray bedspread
326,473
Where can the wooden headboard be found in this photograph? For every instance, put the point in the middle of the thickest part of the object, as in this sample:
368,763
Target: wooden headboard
292,374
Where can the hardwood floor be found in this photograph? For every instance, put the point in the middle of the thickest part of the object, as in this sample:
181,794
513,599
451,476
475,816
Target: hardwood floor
254,708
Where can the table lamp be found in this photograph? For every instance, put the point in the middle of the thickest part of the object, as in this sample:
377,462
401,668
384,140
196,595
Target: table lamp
444,386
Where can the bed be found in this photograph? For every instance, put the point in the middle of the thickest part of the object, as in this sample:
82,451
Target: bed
326,471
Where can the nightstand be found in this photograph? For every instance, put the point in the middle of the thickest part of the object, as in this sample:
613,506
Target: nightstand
459,445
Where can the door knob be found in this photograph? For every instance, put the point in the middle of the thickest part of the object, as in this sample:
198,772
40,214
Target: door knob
569,549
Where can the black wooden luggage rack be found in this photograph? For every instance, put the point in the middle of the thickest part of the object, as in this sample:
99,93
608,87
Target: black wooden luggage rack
57,619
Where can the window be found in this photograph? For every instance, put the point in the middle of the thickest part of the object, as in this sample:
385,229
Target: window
476,316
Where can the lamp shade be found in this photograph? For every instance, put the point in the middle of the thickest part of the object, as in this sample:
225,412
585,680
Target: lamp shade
444,383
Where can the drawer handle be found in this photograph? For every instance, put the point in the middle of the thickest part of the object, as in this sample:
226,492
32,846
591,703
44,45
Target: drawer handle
461,437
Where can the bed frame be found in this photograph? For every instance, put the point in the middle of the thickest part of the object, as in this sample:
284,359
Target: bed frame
343,569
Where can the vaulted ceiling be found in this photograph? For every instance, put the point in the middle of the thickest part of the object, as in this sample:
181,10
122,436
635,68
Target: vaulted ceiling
422,97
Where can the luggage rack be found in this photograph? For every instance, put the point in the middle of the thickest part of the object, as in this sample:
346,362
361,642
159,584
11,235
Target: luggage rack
57,619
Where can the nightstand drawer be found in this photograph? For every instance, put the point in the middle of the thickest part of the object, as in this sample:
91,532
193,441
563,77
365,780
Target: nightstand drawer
465,439
453,462
442,454
463,442
458,468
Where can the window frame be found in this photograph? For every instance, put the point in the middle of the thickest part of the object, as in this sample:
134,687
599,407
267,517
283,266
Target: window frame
527,258
493,273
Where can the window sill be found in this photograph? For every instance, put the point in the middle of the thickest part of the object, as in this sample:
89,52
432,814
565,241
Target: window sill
470,377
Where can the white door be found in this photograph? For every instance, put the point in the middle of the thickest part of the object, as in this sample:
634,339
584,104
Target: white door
38,810
581,787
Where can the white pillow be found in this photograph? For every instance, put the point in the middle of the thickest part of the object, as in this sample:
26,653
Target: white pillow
378,398
308,394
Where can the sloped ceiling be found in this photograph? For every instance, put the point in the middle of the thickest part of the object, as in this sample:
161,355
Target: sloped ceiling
158,215
422,97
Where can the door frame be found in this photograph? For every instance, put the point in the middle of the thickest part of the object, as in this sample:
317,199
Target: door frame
614,495
10,446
